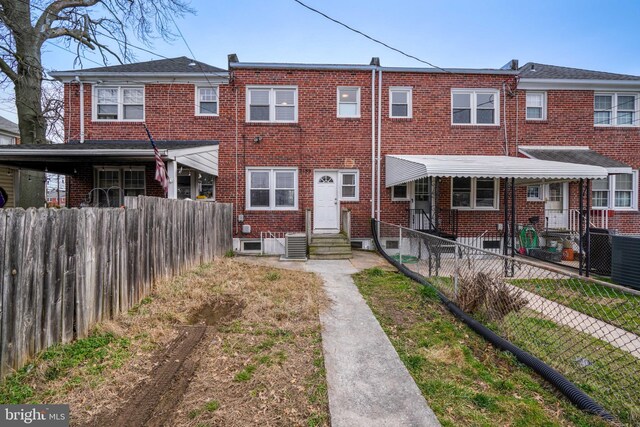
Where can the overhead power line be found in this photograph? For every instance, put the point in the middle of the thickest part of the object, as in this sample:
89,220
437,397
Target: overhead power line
373,39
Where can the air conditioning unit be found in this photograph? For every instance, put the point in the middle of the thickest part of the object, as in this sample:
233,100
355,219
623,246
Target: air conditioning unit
295,247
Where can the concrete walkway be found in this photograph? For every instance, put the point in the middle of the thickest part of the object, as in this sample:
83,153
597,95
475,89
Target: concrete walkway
368,384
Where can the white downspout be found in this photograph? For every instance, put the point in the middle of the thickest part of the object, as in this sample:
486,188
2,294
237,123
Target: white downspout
81,109
373,142
379,138
237,214
504,118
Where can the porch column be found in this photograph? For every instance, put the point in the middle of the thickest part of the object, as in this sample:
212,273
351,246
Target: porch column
172,175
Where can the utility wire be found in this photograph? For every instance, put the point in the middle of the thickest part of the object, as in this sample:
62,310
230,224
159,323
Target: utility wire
371,38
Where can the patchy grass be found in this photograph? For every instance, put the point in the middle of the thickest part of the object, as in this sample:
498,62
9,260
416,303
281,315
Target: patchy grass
465,380
260,361
609,375
66,366
610,305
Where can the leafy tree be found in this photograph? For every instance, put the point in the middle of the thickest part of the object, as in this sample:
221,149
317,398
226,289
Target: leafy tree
98,25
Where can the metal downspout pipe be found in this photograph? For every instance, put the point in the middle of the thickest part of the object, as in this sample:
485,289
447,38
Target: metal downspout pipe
373,142
379,139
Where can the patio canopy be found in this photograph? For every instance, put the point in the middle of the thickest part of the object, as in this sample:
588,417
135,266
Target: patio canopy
401,169
63,158
577,155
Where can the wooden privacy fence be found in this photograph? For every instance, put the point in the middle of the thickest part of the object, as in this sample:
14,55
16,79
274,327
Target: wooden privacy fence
63,270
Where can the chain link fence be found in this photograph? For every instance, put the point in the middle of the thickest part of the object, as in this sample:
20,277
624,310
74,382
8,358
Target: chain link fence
588,330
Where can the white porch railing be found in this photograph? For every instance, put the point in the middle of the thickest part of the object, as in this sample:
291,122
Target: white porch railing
598,218
275,240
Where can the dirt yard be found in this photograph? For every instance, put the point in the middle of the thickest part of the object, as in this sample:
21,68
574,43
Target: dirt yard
227,344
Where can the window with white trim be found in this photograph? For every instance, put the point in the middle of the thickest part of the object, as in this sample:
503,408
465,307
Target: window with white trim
121,103
617,192
272,189
349,102
536,105
277,104
349,186
399,193
534,193
474,193
400,102
475,107
207,101
615,109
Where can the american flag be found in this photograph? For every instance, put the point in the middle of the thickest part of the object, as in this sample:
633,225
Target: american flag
161,171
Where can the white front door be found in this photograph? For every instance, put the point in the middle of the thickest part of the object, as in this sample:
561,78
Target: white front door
556,205
325,202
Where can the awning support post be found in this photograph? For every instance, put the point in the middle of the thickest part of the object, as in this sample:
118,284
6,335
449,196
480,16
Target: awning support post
580,221
505,225
588,225
172,175
513,223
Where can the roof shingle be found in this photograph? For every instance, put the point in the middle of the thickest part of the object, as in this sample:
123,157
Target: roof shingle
8,126
544,71
181,64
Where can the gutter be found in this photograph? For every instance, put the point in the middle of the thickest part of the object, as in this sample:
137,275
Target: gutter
74,73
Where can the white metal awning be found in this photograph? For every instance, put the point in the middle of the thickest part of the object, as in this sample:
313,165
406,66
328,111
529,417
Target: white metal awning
401,169
62,158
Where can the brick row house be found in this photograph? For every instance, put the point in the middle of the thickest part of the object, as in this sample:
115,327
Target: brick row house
293,146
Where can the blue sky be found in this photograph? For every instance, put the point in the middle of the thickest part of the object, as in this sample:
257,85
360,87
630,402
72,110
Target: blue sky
482,33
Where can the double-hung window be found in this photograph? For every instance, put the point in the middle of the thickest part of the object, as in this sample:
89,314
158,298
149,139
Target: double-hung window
112,183
536,106
400,100
124,103
474,193
615,109
277,104
618,192
348,102
475,107
207,101
272,189
349,186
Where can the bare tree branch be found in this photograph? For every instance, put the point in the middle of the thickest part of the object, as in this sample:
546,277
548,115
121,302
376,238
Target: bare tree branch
89,25
6,69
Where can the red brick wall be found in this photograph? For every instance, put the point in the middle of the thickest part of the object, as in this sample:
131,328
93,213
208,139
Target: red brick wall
320,140
570,123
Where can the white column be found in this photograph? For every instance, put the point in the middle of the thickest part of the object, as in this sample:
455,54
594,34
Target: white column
172,175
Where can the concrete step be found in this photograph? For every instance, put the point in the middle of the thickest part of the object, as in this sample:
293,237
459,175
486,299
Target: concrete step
326,250
320,243
331,256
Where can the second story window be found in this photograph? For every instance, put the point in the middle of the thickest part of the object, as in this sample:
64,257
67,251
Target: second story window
119,103
536,106
272,104
475,107
615,109
348,102
207,101
400,102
